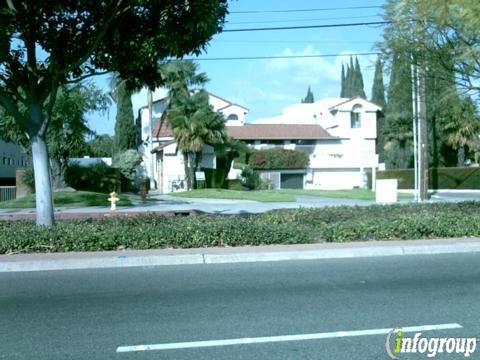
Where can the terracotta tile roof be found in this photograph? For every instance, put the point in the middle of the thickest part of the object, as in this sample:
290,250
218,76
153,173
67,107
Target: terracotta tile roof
277,131
261,131
162,129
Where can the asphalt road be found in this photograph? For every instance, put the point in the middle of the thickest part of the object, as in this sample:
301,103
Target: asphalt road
88,314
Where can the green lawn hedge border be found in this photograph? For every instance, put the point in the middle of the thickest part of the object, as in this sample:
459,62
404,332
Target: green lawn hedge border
460,178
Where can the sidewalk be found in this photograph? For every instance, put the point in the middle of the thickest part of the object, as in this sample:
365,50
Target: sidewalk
163,257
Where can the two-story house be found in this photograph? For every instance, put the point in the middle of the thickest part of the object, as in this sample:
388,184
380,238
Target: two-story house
338,134
162,161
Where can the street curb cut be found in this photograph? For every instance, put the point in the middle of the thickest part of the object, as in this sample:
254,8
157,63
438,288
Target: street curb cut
207,258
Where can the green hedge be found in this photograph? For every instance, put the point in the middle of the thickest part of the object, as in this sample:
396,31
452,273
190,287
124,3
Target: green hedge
98,178
145,232
465,178
336,224
272,159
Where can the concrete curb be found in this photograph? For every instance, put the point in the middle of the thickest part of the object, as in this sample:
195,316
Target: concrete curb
10,263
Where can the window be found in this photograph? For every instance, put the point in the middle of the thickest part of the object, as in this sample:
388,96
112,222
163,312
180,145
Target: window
355,117
232,117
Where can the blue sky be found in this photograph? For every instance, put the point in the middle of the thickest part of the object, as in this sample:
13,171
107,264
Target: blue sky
267,86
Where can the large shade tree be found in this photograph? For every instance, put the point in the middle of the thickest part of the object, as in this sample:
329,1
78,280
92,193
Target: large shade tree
44,45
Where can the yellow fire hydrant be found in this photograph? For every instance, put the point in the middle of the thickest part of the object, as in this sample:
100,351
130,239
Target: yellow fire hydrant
113,201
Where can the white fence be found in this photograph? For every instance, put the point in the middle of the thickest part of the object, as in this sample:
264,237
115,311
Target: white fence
7,193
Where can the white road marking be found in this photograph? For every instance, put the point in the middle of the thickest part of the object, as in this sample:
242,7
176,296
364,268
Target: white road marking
271,339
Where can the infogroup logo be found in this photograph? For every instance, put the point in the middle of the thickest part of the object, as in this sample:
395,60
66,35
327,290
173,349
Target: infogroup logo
397,343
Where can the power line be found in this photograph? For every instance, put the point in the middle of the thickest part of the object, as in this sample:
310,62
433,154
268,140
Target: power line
304,10
310,26
279,57
295,41
302,20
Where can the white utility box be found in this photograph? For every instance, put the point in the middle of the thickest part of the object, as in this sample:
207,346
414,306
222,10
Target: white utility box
386,191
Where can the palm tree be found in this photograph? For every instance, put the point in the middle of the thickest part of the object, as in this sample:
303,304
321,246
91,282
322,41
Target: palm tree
194,124
461,127
181,75
193,121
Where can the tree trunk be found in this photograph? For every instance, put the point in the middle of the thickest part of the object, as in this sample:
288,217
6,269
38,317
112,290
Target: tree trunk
198,159
43,188
461,156
58,173
186,169
191,169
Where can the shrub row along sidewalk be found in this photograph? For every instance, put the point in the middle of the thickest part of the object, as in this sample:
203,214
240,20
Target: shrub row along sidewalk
337,224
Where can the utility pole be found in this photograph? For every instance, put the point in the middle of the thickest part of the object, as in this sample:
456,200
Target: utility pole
150,140
415,128
419,102
422,108
423,134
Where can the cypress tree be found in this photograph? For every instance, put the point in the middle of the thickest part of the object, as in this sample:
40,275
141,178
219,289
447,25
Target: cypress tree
359,87
350,80
378,97
309,98
399,115
378,88
125,131
342,90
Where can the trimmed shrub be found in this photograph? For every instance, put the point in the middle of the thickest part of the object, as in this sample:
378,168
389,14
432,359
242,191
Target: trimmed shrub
146,232
250,178
464,178
277,159
98,178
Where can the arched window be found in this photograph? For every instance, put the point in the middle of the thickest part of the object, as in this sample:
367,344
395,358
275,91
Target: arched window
232,117
355,117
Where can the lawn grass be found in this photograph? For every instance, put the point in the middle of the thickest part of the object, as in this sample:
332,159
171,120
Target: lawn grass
282,195
354,194
70,199
261,195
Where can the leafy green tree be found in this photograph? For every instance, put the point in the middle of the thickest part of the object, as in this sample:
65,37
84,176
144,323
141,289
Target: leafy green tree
461,127
309,97
127,162
56,42
100,146
68,125
452,24
125,130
